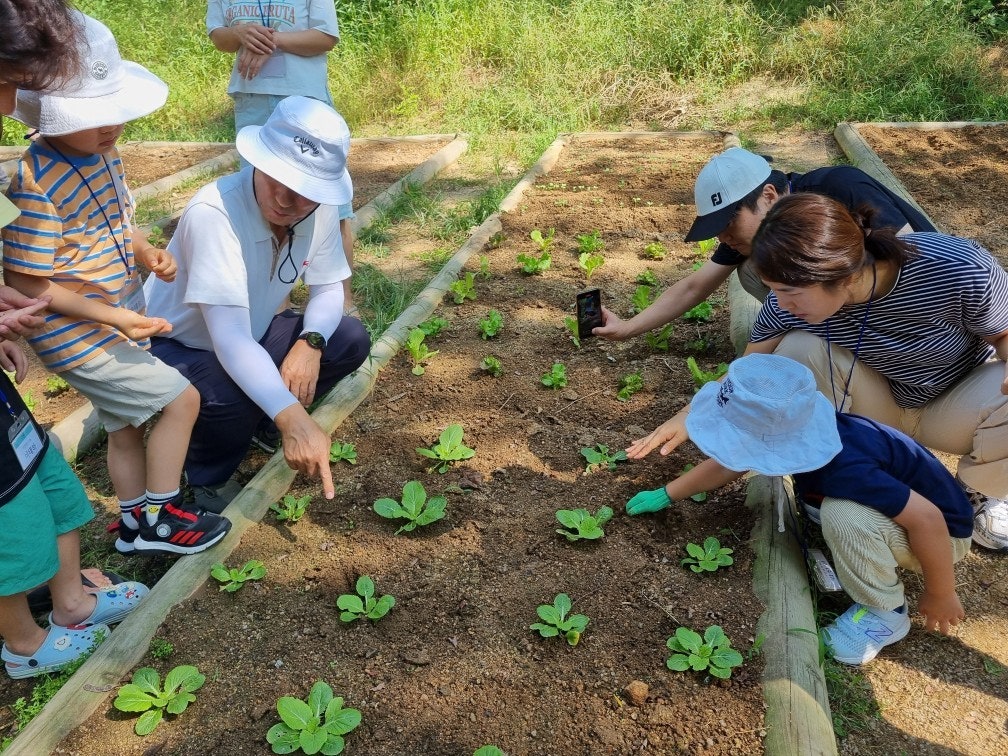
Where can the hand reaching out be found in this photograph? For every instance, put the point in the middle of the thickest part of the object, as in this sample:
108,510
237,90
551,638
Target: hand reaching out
160,262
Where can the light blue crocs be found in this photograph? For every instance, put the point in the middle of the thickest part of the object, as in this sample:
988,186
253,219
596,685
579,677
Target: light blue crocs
113,604
62,646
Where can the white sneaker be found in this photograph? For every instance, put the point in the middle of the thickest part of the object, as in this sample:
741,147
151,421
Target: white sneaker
990,519
857,635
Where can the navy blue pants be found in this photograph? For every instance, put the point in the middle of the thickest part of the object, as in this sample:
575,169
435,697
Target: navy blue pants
227,417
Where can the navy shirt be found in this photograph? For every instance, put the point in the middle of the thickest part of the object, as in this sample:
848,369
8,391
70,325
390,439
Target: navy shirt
852,188
12,477
878,467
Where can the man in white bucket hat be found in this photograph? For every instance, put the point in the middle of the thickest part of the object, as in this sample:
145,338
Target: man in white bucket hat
861,479
242,244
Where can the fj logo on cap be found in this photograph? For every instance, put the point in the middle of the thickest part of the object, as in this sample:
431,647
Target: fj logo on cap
715,199
306,145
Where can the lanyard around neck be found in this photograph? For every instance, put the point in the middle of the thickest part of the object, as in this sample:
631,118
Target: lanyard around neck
857,348
101,208
268,15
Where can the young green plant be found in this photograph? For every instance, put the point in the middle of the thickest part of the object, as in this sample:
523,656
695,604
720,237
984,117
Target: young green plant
313,726
415,507
290,509
659,340
492,365
343,452
709,557
556,620
642,298
433,326
590,243
418,351
448,449
556,378
542,241
655,251
464,288
533,264
712,652
363,604
589,262
648,278
234,578
701,377
145,694
571,324
702,313
580,524
629,385
599,457
491,325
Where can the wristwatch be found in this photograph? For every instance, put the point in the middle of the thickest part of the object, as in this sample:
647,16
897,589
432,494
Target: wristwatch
315,339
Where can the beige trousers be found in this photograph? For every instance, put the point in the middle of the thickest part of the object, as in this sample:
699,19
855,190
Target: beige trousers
867,548
969,419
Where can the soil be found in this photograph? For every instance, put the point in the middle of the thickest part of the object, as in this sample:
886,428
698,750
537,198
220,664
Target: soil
454,665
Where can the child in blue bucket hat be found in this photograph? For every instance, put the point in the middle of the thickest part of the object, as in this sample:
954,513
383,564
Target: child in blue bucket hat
862,481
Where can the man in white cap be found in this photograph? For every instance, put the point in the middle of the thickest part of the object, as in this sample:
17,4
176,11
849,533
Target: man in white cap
882,499
241,245
733,193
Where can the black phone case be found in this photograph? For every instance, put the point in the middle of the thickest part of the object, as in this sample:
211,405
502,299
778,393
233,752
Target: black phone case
589,312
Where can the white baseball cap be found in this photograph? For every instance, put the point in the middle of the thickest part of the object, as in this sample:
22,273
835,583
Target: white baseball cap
304,145
767,416
106,91
722,184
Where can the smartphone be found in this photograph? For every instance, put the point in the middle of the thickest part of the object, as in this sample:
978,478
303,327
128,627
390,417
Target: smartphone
589,312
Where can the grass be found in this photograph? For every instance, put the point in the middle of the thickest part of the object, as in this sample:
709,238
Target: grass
381,299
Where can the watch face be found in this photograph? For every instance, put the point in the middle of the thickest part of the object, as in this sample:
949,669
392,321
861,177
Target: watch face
315,340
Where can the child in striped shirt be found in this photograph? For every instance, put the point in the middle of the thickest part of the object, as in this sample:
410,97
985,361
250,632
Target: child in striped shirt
74,242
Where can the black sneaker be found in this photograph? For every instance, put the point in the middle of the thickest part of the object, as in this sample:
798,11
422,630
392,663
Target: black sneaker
180,531
125,541
267,438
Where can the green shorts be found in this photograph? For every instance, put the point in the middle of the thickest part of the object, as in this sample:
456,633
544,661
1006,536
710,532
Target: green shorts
53,503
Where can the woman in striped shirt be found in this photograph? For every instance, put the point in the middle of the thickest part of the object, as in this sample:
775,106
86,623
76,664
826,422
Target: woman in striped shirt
910,331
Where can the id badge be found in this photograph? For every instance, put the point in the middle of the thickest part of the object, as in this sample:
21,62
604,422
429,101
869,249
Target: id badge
275,67
25,440
134,296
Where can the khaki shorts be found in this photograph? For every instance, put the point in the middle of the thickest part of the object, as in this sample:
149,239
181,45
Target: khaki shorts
127,385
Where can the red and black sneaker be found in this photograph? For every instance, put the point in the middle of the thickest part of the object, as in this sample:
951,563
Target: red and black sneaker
180,531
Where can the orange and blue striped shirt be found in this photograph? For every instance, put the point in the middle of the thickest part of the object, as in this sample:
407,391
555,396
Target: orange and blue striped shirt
74,233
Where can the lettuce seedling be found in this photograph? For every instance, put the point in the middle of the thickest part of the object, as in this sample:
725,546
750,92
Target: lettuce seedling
629,385
642,298
488,750
709,557
590,262
290,509
701,377
313,726
570,322
655,251
418,351
648,278
713,652
364,604
703,312
556,378
234,578
491,325
464,288
532,264
415,508
484,270
56,385
659,340
433,326
590,243
600,457
144,693
579,524
448,449
492,365
544,242
555,620
340,452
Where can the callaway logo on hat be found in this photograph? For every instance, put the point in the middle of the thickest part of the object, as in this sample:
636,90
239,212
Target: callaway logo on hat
722,184
303,145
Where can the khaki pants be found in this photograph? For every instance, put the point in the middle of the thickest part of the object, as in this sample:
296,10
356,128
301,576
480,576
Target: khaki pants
969,419
867,548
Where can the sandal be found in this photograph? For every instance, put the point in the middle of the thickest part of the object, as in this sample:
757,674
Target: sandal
93,579
62,646
112,604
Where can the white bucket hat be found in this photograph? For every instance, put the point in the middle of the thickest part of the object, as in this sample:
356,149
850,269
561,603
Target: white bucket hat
765,416
722,184
106,91
303,145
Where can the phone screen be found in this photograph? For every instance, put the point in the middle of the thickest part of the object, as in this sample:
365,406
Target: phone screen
589,312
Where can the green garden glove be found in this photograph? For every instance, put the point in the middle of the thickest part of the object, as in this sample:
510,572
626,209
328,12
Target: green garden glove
648,501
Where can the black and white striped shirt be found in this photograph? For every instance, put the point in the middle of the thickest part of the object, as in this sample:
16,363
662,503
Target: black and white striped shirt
926,333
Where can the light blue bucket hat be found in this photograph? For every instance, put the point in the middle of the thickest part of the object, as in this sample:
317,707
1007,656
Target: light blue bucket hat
766,416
